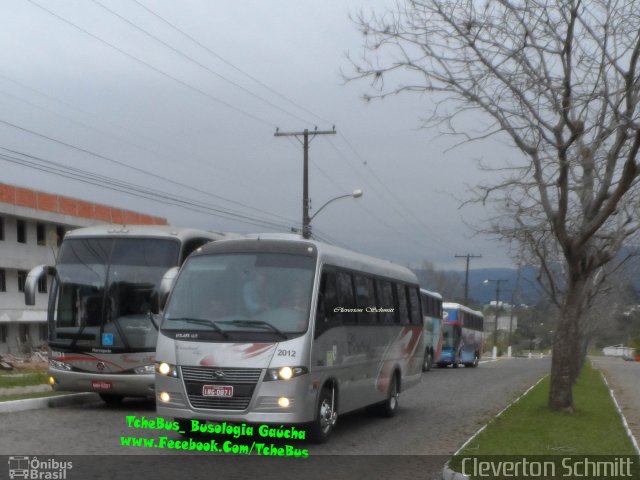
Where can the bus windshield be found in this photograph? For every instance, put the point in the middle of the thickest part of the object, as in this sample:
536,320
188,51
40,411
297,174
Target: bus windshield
103,291
242,292
448,336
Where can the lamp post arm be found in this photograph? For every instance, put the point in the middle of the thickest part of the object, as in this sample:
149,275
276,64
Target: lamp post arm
327,203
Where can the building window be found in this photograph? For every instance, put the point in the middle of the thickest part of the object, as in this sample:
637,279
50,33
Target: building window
3,333
1,228
41,233
22,278
3,281
59,235
21,231
42,284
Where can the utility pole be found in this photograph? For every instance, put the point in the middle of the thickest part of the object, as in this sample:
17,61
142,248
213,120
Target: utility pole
306,220
468,256
495,326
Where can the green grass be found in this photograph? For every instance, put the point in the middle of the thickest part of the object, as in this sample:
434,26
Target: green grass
528,428
23,379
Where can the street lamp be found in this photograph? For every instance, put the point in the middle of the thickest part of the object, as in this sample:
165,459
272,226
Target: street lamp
495,327
306,221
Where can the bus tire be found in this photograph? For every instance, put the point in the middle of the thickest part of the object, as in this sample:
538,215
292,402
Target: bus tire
326,418
389,407
455,364
111,399
428,361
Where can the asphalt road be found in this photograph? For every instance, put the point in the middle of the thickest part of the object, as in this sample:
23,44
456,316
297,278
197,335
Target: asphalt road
434,419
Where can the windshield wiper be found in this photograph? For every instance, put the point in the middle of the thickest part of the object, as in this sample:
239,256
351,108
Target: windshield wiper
204,321
260,323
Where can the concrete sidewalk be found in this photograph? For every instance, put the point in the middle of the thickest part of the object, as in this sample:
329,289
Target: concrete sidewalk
624,379
28,389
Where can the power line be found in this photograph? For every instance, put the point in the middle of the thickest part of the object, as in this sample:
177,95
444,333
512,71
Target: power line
227,62
129,188
155,69
219,197
201,65
111,160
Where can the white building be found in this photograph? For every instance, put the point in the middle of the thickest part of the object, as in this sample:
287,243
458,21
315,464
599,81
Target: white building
32,225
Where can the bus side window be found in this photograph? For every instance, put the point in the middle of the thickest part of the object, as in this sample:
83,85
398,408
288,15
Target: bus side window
365,298
403,309
326,316
346,298
414,303
385,300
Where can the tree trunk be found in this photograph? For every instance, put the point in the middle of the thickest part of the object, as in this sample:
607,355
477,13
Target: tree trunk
567,348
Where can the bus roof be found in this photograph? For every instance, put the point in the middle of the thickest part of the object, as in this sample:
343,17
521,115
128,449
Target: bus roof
457,306
143,231
326,254
431,294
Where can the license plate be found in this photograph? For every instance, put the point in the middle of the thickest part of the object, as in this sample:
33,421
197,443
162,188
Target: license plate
101,385
217,391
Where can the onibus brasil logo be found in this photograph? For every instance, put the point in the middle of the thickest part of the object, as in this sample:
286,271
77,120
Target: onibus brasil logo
37,469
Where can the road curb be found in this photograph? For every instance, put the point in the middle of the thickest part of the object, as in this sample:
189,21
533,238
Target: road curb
448,473
624,419
47,402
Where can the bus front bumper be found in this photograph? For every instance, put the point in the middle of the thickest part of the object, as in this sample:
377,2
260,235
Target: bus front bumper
129,385
264,406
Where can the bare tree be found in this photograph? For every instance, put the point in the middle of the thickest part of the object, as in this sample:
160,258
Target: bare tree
448,284
560,80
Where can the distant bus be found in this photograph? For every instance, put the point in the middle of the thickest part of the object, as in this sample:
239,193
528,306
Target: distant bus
280,330
102,335
432,315
462,336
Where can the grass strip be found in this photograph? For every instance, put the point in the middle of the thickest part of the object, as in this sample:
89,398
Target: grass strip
23,380
529,429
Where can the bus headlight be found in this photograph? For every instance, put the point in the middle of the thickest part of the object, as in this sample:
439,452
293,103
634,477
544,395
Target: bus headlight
284,373
167,370
144,369
59,365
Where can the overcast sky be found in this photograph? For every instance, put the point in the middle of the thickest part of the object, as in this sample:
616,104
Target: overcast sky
194,119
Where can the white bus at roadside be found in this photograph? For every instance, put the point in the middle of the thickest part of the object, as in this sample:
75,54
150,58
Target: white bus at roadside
102,334
280,330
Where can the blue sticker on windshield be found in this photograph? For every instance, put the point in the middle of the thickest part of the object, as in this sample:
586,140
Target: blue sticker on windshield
107,339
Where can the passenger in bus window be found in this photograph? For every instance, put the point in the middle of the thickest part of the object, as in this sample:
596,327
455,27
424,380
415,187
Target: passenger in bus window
254,294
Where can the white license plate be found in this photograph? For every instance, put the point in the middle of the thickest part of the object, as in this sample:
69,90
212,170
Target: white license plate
217,391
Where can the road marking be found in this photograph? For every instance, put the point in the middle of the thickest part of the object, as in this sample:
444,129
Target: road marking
624,419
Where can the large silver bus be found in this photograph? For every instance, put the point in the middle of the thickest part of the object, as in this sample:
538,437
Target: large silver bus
432,314
280,330
102,335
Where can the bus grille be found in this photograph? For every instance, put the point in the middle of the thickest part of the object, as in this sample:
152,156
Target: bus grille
243,381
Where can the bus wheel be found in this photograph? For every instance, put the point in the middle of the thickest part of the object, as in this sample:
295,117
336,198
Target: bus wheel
455,364
389,407
428,361
111,399
326,418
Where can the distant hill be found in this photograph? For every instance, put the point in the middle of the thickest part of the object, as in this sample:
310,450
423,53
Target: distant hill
451,284
528,290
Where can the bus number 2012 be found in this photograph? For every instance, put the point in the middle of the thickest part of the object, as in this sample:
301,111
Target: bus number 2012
287,353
